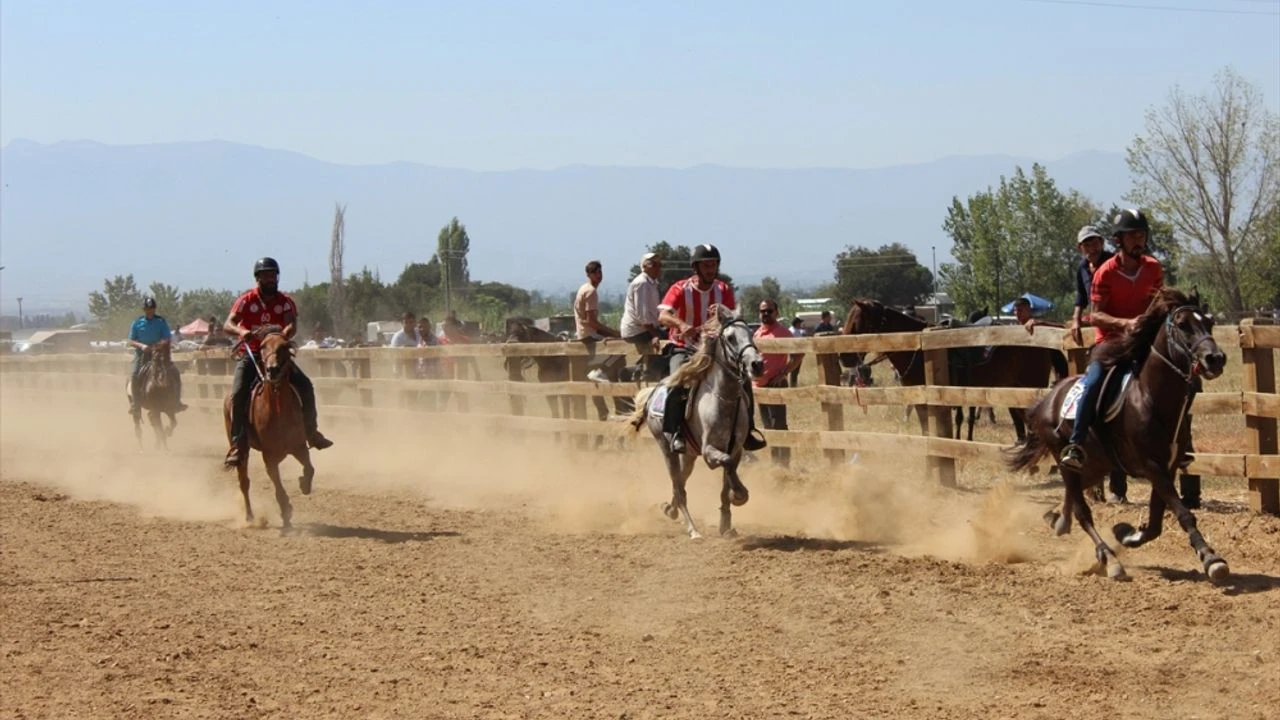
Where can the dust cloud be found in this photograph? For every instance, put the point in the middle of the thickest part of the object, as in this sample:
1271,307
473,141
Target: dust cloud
84,446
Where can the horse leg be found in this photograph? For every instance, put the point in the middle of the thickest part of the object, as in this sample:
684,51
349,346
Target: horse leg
680,468
303,456
1132,538
732,492
282,497
242,471
973,418
1214,566
959,421
173,424
1061,521
1106,557
137,428
1019,417
157,426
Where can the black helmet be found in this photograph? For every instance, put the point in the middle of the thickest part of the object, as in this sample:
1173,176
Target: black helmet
265,263
704,252
1127,220
148,302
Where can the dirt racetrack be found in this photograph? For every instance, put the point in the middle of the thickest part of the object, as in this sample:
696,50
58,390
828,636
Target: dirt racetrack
434,575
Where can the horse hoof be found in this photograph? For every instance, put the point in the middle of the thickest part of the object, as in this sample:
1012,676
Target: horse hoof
670,511
1217,570
729,533
739,498
695,535
304,484
1116,572
1125,533
1061,524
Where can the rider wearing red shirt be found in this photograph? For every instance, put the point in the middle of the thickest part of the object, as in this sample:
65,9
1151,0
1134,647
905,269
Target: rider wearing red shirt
683,310
252,312
1122,290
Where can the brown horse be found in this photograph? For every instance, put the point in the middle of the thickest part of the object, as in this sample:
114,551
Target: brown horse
1139,428
550,369
157,393
276,427
1000,367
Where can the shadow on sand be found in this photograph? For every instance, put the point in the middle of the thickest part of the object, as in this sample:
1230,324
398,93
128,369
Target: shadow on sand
363,533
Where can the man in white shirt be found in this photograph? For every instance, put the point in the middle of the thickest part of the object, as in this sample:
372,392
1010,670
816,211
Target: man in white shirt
406,336
640,312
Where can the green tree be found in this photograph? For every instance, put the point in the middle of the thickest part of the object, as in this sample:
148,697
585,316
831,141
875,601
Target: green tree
1211,165
452,246
891,275
419,287
205,303
751,295
367,300
675,266
1019,237
116,306
168,300
313,308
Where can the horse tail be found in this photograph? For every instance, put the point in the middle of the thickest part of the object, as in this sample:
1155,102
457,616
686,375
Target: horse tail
1027,453
1059,361
641,413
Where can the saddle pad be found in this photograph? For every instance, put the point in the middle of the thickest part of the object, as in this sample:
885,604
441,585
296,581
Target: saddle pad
1071,403
658,400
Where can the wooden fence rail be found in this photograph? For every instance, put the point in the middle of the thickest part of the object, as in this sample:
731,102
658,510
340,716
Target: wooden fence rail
367,373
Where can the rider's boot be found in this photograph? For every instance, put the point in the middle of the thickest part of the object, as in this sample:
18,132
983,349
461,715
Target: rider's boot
755,439
240,393
673,418
310,417
135,407
178,406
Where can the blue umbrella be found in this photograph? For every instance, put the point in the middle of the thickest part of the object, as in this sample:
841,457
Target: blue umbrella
1038,304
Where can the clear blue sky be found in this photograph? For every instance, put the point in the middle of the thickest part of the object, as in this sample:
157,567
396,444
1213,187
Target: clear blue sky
500,85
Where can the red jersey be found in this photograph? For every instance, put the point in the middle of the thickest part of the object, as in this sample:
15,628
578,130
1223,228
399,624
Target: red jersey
1122,294
254,312
690,304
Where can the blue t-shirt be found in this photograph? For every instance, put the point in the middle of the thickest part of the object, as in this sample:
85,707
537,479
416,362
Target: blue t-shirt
148,332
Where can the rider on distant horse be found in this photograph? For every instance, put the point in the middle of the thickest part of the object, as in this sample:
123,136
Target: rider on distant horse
262,306
1122,289
148,330
684,310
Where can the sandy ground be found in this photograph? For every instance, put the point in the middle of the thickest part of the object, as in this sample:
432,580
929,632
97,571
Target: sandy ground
438,575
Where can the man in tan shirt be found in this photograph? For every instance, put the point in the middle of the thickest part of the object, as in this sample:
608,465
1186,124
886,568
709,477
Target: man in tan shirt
586,318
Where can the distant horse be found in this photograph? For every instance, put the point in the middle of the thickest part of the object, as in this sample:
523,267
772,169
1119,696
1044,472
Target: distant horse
550,369
1140,428
276,426
718,414
158,393
999,367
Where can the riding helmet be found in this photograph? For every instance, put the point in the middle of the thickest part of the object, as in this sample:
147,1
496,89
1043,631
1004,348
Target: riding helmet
265,263
148,302
1129,219
704,252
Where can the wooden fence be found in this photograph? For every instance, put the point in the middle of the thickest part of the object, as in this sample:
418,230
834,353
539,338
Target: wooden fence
349,380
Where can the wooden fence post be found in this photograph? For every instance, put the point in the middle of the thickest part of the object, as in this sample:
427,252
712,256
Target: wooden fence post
1260,377
936,373
829,374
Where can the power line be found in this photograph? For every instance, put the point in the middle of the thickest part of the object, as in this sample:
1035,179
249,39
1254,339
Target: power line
1167,8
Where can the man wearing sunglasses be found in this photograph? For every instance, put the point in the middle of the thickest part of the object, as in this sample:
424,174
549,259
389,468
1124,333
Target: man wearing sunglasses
777,367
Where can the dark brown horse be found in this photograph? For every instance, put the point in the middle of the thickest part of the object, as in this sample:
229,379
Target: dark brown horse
550,369
1171,345
999,367
157,393
276,427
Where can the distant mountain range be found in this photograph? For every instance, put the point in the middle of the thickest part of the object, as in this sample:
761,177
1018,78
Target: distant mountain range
198,214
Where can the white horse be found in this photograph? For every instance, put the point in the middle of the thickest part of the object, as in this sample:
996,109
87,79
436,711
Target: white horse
718,417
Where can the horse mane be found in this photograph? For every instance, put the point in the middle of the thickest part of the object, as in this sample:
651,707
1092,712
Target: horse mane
1134,346
697,367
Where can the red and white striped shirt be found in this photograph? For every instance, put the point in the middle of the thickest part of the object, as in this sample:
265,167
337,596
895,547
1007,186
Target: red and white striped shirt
690,304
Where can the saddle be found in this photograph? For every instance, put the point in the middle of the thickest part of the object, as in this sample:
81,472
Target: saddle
255,389
1110,397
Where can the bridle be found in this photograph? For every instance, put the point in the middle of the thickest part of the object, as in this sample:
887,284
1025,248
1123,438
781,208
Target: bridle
1176,340
882,356
731,360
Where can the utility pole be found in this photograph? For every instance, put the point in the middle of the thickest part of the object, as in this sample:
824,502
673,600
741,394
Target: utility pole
934,250
20,323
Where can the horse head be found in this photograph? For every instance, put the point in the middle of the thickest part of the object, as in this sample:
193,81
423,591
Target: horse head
1189,334
277,357
732,335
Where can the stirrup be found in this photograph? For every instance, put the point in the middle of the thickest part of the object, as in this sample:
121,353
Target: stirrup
1073,457
233,457
754,441
677,442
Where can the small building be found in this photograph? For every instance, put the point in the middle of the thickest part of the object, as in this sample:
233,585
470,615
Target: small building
58,341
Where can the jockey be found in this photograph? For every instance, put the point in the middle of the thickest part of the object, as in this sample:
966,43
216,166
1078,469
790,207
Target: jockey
264,305
1122,289
683,311
146,331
